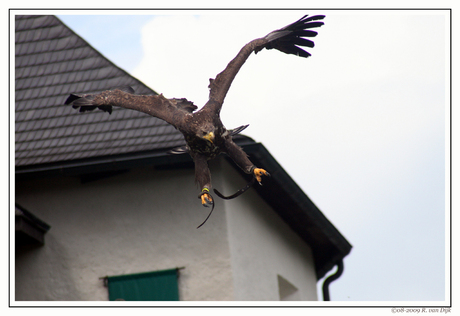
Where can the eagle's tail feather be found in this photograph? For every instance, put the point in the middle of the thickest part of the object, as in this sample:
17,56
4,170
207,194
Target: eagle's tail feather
291,38
85,102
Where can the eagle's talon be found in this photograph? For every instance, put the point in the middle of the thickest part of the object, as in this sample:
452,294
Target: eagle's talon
258,173
206,198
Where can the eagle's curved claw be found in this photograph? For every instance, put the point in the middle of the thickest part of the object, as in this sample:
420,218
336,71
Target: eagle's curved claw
206,198
258,173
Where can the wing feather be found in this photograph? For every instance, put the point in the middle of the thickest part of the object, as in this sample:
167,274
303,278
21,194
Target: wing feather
170,110
288,39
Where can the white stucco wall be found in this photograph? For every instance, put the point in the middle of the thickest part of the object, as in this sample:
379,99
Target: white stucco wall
140,221
263,246
145,220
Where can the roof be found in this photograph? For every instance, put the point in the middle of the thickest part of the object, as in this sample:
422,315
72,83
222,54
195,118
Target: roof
52,62
53,140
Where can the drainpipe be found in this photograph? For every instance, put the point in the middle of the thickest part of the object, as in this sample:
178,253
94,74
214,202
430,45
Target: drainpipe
331,279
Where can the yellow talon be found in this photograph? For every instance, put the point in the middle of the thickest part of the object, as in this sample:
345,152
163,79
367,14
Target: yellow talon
258,173
206,199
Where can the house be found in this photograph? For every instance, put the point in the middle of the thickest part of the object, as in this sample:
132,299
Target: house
103,212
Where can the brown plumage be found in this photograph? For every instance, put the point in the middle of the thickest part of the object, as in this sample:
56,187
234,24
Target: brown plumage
204,133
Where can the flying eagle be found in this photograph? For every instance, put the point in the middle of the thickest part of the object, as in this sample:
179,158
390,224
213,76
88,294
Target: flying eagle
204,133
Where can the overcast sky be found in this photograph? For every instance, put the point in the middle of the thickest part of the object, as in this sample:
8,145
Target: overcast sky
361,125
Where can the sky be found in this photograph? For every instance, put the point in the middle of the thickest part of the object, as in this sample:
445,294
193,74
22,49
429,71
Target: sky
362,126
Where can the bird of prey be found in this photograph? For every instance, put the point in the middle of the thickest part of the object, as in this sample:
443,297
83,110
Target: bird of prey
204,133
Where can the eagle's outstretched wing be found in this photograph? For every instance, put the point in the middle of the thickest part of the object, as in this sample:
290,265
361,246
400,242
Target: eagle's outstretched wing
287,40
170,110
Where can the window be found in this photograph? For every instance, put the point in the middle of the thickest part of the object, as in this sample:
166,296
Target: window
287,291
150,286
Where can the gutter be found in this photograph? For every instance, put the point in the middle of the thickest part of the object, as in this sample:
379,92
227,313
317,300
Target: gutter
331,279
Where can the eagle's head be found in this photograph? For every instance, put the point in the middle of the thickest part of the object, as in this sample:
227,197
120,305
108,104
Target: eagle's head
209,136
207,132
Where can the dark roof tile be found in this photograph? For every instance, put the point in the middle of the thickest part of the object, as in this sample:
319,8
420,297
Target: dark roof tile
52,62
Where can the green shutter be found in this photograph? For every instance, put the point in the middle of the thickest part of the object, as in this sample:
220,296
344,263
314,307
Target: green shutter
150,286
